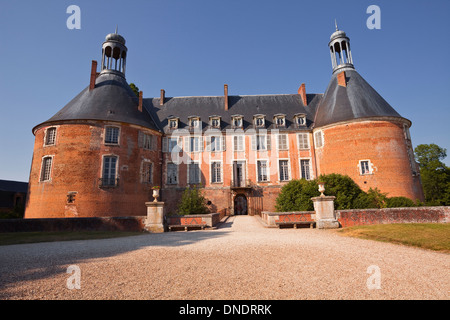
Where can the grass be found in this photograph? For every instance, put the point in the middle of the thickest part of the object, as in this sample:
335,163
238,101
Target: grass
33,237
433,236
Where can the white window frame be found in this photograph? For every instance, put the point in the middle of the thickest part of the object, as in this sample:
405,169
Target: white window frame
212,121
213,174
265,138
112,135
319,142
147,141
239,119
48,177
258,162
191,146
288,170
239,146
362,170
172,123
47,136
116,170
189,172
218,145
259,121
310,173
300,120
282,145
301,138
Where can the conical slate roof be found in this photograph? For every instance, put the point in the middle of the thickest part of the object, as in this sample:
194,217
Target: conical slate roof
355,101
111,100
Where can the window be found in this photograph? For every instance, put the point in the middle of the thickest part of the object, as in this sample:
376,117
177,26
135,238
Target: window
194,172
146,141
318,137
305,169
109,178
282,142
172,173
46,168
303,142
259,120
112,135
284,170
50,137
173,123
147,172
237,121
216,143
261,142
216,172
280,120
262,171
238,143
365,167
300,119
194,122
214,121
194,144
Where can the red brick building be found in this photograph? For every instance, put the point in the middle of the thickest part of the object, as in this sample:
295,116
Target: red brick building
104,151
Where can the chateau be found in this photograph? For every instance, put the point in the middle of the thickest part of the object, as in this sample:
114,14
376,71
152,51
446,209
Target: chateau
101,155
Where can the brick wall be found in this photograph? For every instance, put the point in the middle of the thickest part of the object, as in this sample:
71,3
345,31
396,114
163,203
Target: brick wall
383,144
349,218
77,167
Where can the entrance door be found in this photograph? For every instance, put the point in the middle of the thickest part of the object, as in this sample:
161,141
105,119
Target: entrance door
240,205
239,173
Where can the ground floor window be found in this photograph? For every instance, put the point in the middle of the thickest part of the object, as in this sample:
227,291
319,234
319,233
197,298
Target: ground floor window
284,170
305,169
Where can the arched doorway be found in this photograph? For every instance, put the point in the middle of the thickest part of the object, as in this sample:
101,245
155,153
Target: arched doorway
240,205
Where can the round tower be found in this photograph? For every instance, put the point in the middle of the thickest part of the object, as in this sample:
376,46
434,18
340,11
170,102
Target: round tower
98,156
357,133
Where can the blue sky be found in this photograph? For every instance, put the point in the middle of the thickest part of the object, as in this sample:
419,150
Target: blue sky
194,47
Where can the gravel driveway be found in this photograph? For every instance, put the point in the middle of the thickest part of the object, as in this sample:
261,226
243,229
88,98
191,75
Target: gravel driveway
239,260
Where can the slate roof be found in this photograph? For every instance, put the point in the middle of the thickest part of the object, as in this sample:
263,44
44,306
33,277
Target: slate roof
13,186
357,100
247,106
112,100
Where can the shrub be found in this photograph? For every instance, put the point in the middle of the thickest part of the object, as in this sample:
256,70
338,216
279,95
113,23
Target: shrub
343,188
192,202
397,202
296,196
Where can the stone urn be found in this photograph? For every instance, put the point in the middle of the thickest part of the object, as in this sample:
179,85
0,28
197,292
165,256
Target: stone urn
155,194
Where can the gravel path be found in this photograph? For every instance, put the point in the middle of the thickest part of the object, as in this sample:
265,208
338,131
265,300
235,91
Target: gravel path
239,260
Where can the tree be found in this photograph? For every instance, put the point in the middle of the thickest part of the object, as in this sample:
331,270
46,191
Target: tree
434,173
343,188
192,202
135,89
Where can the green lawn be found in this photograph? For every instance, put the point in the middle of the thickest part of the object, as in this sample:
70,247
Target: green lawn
434,236
32,237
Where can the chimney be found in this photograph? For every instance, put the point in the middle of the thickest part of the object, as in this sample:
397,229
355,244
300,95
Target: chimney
163,96
342,81
302,93
225,89
140,101
93,75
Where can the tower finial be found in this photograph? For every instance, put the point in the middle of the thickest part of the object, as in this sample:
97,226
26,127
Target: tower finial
117,28
335,23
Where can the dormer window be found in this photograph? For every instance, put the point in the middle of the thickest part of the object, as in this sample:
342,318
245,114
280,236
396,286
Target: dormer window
237,121
194,122
279,120
300,119
214,121
259,120
173,123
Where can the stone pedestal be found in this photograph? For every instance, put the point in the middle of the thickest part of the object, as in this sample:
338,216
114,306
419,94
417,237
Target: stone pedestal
324,208
155,217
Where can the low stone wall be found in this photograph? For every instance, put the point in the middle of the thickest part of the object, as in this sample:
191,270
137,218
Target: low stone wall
270,218
74,224
349,218
210,219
